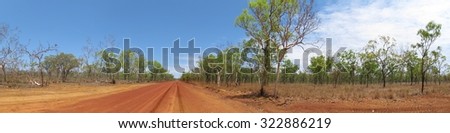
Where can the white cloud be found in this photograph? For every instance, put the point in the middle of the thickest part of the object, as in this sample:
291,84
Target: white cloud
352,23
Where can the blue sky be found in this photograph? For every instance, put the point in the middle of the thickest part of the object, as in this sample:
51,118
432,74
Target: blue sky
157,23
149,23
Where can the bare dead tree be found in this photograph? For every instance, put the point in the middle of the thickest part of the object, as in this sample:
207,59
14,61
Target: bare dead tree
38,54
88,52
9,49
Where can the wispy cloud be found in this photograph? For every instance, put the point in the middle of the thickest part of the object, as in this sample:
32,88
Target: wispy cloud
352,23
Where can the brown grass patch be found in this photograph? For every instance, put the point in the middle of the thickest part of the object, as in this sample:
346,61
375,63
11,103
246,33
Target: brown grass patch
343,98
341,92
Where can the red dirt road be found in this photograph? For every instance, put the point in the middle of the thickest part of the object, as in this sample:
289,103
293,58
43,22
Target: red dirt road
164,97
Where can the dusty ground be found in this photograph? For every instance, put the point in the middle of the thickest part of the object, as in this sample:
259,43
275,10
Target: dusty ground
55,96
176,96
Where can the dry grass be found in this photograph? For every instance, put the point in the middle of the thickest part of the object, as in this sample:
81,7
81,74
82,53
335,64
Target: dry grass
32,99
342,92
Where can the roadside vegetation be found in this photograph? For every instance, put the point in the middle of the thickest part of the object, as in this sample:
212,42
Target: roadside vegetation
274,27
25,66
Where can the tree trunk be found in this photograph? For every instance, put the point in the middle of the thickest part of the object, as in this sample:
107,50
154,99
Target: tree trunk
336,79
439,77
264,69
218,79
236,80
277,80
412,75
42,77
383,73
423,74
4,73
367,80
351,78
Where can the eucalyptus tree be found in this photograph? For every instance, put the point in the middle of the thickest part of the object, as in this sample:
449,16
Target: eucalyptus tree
384,54
439,62
411,61
279,25
318,68
369,64
132,63
348,63
428,36
157,71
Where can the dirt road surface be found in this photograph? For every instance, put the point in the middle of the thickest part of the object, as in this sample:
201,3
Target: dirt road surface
174,96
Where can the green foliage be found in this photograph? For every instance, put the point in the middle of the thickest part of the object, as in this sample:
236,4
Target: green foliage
348,63
276,26
62,64
289,71
428,36
319,66
382,49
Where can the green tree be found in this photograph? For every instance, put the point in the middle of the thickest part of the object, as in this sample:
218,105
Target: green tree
212,67
279,24
318,67
411,61
132,64
157,71
289,70
439,62
383,50
233,65
428,36
348,63
369,63
62,63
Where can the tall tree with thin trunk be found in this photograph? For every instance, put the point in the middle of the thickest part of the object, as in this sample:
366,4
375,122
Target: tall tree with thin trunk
279,25
88,52
383,50
369,63
410,60
348,63
38,54
439,62
428,36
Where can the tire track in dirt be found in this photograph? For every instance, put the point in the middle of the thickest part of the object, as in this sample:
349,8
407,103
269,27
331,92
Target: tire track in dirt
180,103
164,98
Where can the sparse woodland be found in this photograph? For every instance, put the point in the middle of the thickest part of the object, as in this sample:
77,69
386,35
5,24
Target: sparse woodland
276,26
23,66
